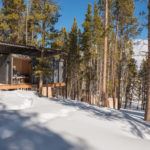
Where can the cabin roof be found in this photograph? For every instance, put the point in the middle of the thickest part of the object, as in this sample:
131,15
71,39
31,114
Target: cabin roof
11,48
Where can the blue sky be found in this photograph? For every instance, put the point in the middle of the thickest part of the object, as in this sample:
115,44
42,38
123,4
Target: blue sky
77,8
71,9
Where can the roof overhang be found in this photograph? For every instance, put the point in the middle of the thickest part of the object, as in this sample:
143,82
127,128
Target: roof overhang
10,48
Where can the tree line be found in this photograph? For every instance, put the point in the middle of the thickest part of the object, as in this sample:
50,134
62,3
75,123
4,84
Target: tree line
100,63
100,56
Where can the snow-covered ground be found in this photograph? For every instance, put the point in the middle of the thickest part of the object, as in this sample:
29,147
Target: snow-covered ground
28,122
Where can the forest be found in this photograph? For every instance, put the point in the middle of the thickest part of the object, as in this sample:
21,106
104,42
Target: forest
100,64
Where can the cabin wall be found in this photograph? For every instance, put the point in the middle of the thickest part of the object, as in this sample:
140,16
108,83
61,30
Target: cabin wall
23,69
7,62
5,69
58,74
23,65
61,71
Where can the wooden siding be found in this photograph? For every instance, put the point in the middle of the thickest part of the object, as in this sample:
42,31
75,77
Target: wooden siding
22,65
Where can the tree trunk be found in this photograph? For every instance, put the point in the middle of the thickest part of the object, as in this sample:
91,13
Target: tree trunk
40,84
104,92
147,112
27,24
119,86
42,57
115,65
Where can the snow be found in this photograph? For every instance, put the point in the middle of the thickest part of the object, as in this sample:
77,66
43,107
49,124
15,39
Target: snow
140,49
28,122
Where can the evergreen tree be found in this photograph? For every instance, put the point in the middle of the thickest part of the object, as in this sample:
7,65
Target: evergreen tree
3,27
104,88
61,40
87,53
126,28
143,72
12,21
96,53
45,15
98,50
131,82
147,112
73,62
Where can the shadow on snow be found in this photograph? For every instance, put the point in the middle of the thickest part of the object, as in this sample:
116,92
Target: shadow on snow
135,119
17,134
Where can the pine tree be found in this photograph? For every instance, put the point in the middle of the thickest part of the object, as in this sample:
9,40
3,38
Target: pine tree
12,21
73,62
87,53
122,27
104,88
131,82
45,15
61,40
3,27
147,112
126,28
98,51
97,28
143,72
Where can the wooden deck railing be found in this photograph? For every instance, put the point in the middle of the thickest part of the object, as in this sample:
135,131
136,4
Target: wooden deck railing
27,86
15,86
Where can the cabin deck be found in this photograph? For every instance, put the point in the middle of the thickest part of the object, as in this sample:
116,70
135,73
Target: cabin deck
27,86
15,86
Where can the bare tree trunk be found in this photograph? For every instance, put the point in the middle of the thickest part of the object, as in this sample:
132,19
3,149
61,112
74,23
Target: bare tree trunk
66,88
42,57
40,84
101,81
104,90
115,65
147,112
27,23
119,87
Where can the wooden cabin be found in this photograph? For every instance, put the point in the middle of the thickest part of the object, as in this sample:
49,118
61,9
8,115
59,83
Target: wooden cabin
16,66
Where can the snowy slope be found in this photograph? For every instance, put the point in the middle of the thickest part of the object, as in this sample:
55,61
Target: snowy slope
28,122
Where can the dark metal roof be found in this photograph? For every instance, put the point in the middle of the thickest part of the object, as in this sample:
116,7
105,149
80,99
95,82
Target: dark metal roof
10,48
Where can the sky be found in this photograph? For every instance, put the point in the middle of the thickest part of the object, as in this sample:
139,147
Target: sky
77,8
71,9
